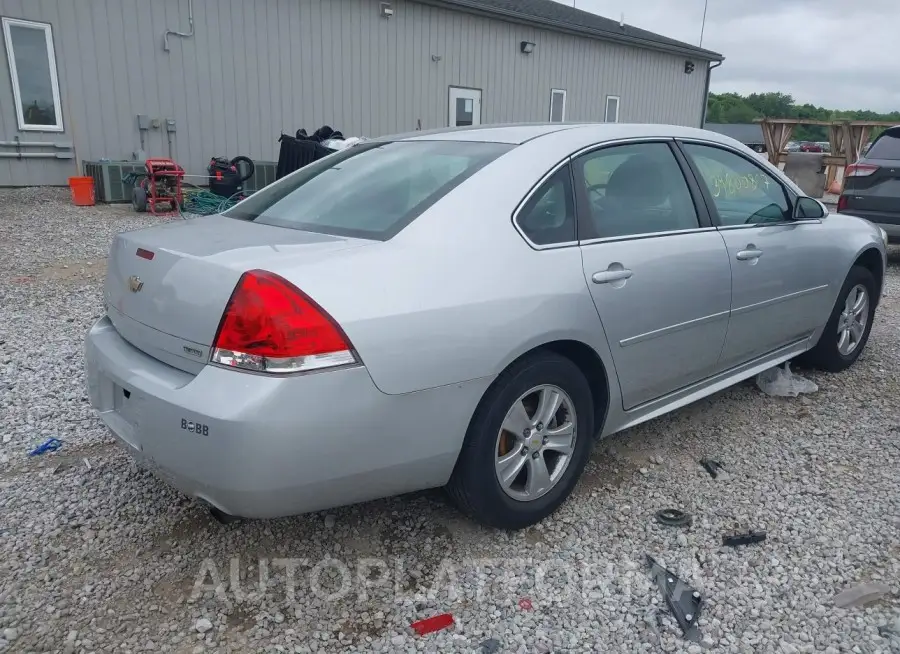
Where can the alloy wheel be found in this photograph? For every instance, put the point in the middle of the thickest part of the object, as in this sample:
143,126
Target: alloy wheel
536,442
852,322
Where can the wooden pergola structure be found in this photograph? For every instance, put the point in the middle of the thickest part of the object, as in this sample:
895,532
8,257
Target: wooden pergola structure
846,137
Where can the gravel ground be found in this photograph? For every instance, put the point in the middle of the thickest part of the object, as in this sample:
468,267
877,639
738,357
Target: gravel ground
96,555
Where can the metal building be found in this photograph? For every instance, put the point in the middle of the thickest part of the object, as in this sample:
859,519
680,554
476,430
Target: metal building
227,77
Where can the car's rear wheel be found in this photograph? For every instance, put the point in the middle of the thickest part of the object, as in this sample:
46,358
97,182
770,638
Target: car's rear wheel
847,331
527,444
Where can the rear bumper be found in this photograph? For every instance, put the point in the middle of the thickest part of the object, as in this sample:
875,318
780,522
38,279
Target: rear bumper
272,446
888,221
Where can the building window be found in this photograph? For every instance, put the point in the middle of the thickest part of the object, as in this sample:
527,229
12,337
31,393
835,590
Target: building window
557,105
32,68
612,109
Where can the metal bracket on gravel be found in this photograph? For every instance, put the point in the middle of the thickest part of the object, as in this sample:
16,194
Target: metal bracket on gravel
683,601
673,518
748,538
712,467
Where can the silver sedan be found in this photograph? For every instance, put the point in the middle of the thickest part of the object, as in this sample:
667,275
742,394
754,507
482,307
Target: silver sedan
468,308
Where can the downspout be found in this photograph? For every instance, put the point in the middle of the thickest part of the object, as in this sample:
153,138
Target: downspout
185,35
709,71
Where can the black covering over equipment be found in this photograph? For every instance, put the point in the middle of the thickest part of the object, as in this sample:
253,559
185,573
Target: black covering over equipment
300,150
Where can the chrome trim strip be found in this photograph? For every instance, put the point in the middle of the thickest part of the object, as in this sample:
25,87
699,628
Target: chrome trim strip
656,333
611,239
783,223
777,300
554,169
622,141
636,237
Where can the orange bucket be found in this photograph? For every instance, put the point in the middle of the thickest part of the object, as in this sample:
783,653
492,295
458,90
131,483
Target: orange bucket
82,191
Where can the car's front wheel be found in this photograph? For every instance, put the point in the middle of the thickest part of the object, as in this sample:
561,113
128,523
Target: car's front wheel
527,444
847,331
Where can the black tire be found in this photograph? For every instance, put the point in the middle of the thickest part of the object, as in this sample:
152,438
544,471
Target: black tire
139,199
474,486
825,354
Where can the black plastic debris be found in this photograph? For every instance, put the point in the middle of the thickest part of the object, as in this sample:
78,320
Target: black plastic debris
683,601
673,518
748,538
712,467
490,646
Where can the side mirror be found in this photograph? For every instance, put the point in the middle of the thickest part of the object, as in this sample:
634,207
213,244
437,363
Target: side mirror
808,209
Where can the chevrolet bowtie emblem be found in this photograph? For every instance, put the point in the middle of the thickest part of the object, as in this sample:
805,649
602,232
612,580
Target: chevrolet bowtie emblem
135,283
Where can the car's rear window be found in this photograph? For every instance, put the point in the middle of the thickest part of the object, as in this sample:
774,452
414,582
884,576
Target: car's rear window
372,190
887,146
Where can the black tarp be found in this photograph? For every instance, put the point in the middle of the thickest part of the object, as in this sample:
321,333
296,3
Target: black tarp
300,150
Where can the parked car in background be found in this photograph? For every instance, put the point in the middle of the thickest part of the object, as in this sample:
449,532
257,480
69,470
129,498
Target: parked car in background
872,184
792,146
807,146
466,308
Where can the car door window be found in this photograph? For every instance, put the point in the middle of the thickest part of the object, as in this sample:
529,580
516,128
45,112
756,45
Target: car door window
548,217
631,190
742,192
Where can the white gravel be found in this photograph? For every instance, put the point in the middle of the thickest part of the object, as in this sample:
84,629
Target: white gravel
102,557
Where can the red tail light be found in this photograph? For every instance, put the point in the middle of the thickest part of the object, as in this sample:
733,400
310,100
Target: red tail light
270,325
860,170
842,203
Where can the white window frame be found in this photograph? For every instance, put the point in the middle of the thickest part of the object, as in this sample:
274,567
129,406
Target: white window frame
556,92
606,108
13,73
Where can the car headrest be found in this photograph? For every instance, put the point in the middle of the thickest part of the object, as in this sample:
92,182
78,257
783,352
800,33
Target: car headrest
639,181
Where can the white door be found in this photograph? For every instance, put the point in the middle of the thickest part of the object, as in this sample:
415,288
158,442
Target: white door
465,107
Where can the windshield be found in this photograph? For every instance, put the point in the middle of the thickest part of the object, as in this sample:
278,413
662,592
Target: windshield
368,191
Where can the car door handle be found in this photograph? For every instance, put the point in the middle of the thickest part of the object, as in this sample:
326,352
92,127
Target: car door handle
607,276
749,254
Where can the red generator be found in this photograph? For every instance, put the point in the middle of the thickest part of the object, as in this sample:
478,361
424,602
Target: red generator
160,185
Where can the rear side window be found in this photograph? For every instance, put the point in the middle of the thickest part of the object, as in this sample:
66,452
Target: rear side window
887,146
368,191
548,218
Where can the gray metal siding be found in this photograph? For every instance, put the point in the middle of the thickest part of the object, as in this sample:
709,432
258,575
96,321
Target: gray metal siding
21,172
255,69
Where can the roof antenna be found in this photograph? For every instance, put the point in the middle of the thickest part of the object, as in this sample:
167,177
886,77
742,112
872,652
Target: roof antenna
622,21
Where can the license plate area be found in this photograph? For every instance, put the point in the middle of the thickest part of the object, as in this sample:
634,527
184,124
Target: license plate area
125,403
127,411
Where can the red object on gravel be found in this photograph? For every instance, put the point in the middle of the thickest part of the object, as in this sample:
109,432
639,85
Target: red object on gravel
436,623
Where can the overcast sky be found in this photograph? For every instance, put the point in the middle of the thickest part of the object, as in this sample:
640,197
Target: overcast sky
819,51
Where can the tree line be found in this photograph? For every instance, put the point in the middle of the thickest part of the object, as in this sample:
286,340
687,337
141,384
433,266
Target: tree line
737,108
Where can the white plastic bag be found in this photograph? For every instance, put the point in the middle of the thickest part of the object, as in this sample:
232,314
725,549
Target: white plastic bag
781,382
343,144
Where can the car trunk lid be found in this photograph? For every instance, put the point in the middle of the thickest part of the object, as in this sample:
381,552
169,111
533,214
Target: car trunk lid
167,286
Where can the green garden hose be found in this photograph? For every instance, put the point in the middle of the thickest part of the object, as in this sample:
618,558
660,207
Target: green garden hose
199,202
